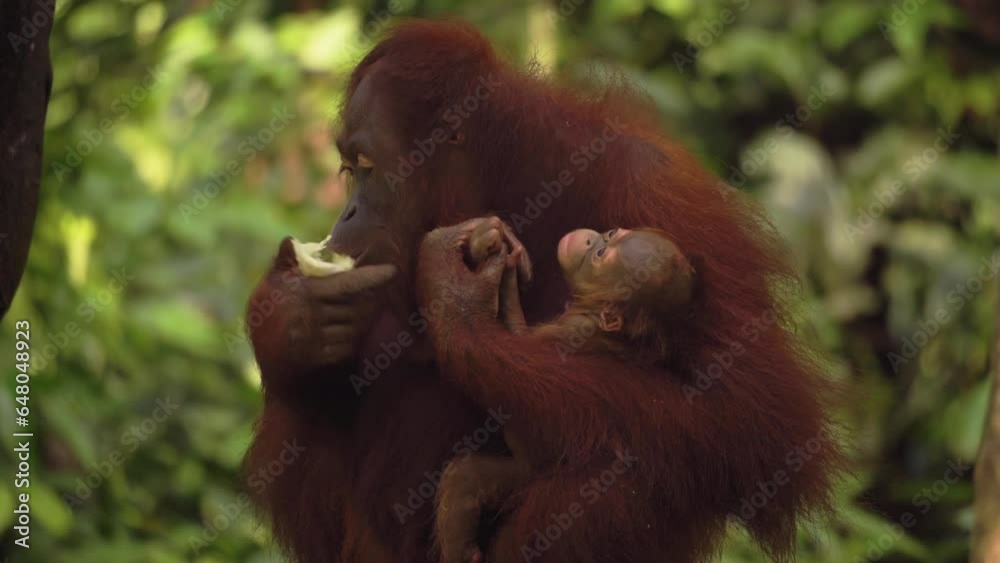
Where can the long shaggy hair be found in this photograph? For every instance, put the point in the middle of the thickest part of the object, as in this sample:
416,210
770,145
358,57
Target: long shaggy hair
743,405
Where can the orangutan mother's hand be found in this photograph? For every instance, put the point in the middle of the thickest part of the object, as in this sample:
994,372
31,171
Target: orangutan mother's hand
485,237
300,324
460,268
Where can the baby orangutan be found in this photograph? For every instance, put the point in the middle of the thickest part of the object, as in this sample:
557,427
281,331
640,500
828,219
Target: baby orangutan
628,287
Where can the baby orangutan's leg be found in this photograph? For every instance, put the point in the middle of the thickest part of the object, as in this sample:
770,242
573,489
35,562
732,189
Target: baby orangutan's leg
470,486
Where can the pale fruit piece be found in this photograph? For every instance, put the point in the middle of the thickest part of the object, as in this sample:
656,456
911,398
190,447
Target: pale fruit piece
316,261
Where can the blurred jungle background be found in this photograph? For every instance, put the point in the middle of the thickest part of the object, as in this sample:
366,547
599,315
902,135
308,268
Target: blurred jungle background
185,138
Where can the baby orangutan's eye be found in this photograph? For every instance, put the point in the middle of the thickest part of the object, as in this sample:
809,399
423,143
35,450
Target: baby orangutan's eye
612,233
601,251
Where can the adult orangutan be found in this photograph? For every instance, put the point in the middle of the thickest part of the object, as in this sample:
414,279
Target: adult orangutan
382,388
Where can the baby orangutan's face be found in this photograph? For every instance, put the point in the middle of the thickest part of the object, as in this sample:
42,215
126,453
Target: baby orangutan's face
584,253
622,260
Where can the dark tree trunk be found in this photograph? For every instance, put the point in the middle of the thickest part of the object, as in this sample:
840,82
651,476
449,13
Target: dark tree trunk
25,82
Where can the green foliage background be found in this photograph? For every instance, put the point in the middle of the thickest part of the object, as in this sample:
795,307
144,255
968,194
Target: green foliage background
883,80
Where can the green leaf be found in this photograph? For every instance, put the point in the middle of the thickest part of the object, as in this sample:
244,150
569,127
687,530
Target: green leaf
874,527
95,21
63,421
51,511
968,174
843,22
907,30
881,82
965,418
673,8
178,322
149,20
612,10
6,506
331,42
983,94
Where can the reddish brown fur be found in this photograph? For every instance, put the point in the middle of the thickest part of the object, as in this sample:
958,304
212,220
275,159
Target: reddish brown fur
697,460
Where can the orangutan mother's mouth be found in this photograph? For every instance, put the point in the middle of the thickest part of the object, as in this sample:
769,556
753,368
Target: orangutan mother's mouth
380,251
